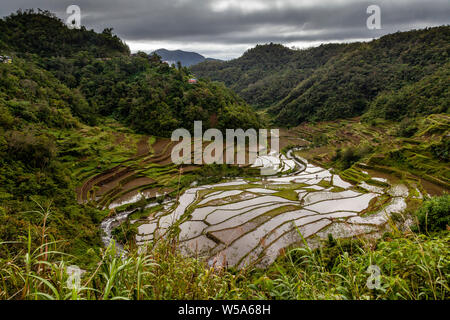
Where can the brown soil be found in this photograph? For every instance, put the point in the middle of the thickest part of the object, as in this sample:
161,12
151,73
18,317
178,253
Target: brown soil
107,187
142,147
89,184
160,145
138,182
119,137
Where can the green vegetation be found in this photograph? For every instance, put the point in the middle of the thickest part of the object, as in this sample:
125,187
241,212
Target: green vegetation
434,215
407,128
380,145
346,158
266,74
412,267
287,194
214,173
42,34
398,75
100,78
81,121
125,233
61,84
427,96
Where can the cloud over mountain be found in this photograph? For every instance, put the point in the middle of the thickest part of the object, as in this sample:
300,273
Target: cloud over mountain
226,28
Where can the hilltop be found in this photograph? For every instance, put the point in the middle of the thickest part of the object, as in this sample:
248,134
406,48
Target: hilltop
41,33
74,103
337,81
85,158
186,58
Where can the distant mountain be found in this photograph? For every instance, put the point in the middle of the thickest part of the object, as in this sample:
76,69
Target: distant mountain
186,58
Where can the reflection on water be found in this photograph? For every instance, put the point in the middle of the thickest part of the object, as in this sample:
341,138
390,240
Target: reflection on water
235,227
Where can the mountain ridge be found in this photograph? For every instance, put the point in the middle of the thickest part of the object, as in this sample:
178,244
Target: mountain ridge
331,81
74,103
187,58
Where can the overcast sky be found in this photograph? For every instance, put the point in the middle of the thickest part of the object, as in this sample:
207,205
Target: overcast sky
224,29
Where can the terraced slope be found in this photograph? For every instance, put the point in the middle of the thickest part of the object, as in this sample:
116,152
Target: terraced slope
244,222
253,220
380,145
146,174
150,173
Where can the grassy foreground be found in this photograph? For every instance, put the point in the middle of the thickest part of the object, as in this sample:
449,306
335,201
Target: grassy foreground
411,265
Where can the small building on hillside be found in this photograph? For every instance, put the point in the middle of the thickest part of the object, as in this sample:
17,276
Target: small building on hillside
6,59
192,81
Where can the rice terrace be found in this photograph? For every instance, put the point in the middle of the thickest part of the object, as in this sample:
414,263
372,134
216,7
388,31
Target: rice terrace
302,152
250,221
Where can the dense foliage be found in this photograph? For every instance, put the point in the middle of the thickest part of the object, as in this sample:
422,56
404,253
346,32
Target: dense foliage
434,214
33,103
266,74
427,96
62,80
64,90
97,69
340,81
411,267
41,33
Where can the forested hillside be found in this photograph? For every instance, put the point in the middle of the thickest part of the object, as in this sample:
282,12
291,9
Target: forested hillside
339,80
138,90
41,33
65,102
86,176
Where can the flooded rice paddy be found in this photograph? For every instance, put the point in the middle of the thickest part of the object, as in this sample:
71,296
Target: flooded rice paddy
242,222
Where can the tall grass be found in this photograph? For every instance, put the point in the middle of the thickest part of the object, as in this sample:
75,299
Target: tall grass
412,267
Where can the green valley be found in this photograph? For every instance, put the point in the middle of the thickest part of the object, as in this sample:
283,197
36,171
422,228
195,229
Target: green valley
86,176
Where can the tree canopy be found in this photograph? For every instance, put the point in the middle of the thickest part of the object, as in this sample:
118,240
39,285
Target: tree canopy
341,80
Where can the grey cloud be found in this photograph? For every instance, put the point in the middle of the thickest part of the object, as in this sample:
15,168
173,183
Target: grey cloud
190,21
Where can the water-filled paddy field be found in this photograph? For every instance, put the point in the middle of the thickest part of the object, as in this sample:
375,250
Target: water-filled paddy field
250,222
245,221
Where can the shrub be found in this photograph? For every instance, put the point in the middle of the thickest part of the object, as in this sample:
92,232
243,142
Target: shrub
320,140
125,233
33,150
345,158
434,215
407,128
6,119
441,150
